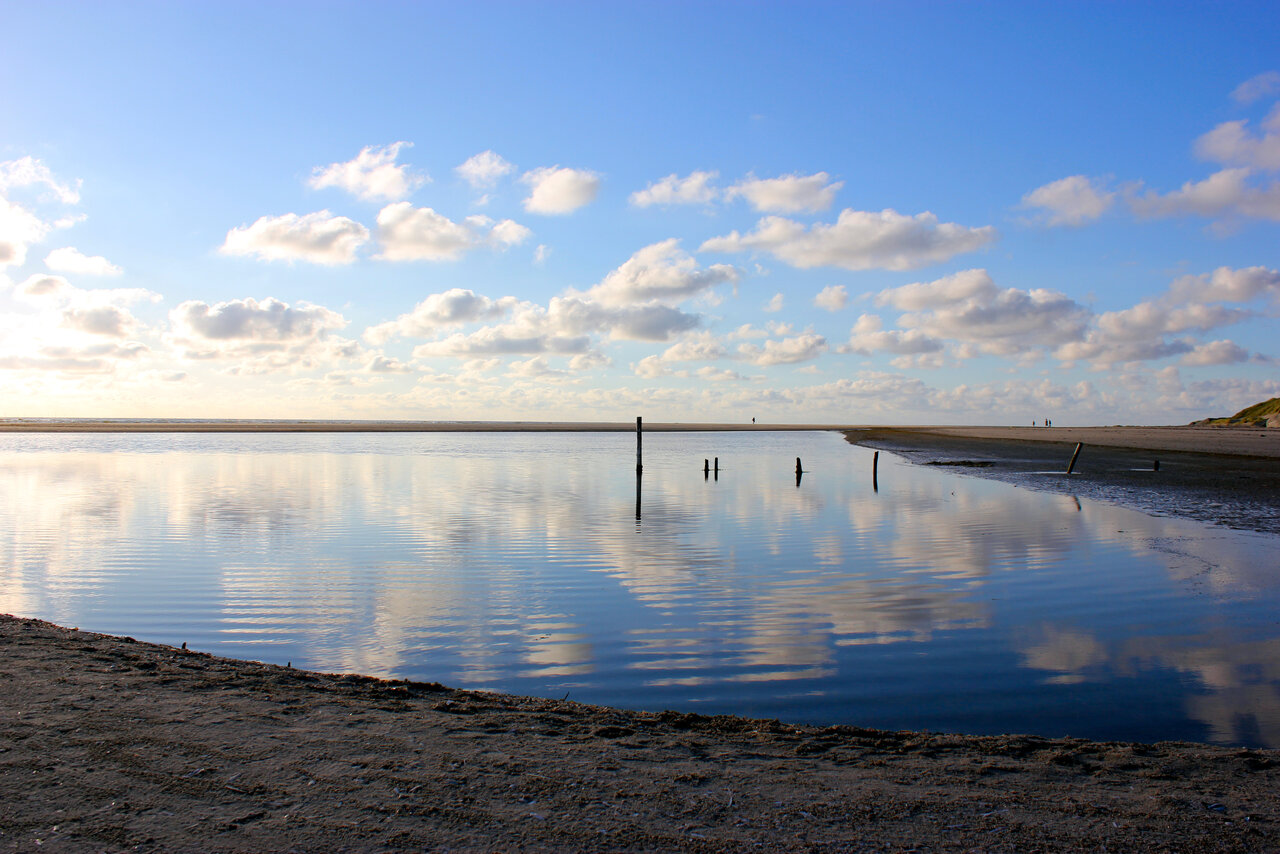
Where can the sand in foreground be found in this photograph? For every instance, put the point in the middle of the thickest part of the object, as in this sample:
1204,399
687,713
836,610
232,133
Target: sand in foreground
112,744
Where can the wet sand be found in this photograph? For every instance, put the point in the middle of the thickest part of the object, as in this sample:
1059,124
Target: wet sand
1226,476
110,744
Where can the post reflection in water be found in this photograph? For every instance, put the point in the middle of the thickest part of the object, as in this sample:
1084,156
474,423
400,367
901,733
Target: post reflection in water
505,561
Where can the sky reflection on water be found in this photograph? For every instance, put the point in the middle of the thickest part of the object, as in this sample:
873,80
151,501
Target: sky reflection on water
516,562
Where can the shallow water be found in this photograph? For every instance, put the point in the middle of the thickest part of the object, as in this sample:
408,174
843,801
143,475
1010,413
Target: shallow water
530,563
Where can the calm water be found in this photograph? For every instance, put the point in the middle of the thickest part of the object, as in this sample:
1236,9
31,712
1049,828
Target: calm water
529,563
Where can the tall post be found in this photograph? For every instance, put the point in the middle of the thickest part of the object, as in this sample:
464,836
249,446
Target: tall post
639,446
875,472
1071,465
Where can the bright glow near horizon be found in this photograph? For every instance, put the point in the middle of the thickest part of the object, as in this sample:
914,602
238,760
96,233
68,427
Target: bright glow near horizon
853,213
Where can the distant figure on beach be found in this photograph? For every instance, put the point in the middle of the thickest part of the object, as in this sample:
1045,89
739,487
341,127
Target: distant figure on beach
753,420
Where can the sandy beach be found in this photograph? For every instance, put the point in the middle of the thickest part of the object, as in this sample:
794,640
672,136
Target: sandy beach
110,744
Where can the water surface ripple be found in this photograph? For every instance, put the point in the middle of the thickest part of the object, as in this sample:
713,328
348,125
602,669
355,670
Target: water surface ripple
531,563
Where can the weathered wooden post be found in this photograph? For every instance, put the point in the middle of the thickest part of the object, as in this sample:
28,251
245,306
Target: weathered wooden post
706,466
1155,465
639,446
717,466
799,470
1071,465
875,472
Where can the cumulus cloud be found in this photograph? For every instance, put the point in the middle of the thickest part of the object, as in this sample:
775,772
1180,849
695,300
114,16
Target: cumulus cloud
1233,144
774,305
372,175
1255,88
788,193
832,298
868,336
1225,193
858,240
19,228
559,190
317,238
1165,327
968,307
452,308
1228,285
109,320
694,189
946,291
1075,200
1216,353
407,233
483,171
786,351
696,347
266,335
662,271
70,260
28,171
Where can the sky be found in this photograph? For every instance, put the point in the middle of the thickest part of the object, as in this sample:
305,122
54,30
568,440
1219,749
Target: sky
854,213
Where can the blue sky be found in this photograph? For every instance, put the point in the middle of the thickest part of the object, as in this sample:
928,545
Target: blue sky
812,212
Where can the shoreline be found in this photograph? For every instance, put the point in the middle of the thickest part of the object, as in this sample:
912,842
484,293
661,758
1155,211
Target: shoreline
1222,476
114,744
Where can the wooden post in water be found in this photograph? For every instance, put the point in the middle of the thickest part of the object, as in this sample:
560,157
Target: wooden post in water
1155,465
639,446
799,470
706,466
875,472
717,465
1071,465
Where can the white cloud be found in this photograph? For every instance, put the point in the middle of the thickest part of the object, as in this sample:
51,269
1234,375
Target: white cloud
318,238
858,240
832,298
868,337
541,254
948,290
1228,285
1224,193
1232,144
38,286
786,351
19,228
452,308
28,171
372,175
559,190
267,336
774,305
70,260
696,189
662,271
484,170
109,320
1216,353
1070,201
787,193
383,364
1255,88
696,347
968,307
407,233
